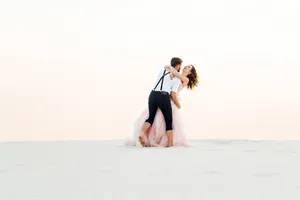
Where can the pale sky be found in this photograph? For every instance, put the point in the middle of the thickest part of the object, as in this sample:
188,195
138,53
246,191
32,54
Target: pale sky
72,70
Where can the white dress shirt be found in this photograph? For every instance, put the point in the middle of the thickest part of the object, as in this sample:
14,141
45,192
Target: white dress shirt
169,85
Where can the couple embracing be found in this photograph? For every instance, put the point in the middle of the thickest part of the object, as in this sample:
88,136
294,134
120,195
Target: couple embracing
160,125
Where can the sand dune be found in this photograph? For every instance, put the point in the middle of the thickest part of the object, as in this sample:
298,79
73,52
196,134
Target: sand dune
108,170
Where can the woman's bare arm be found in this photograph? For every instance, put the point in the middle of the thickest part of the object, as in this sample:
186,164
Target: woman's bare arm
184,79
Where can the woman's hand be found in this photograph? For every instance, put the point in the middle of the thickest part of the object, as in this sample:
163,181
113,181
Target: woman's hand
167,67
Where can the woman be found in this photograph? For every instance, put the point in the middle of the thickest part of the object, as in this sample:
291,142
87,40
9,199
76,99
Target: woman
157,132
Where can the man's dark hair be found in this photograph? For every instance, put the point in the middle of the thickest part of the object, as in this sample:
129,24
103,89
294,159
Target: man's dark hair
175,61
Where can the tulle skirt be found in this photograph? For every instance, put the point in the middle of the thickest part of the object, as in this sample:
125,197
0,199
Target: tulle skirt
157,132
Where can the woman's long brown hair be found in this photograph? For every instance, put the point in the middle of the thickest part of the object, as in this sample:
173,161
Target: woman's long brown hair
193,79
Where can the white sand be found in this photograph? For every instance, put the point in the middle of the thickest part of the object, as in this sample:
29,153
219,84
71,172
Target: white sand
107,170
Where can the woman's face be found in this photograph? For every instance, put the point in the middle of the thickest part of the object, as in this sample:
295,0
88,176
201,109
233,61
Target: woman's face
187,69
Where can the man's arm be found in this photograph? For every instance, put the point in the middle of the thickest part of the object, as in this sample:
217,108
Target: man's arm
175,99
174,91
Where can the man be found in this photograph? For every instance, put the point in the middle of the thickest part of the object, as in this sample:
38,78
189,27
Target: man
166,87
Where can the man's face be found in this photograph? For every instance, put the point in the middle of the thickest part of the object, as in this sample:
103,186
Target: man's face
178,67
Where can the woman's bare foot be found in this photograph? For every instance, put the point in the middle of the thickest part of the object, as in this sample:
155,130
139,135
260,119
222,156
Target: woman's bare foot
142,141
170,144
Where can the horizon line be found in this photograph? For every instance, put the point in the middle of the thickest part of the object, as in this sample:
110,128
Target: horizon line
106,140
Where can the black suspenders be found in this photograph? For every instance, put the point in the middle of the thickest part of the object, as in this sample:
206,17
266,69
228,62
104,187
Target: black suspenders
162,80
